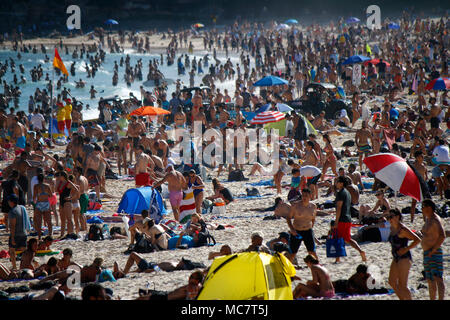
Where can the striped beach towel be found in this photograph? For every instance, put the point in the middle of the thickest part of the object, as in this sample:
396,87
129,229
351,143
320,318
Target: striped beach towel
187,206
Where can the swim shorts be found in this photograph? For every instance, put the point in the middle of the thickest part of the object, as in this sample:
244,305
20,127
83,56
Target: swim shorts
21,142
84,202
175,198
21,242
307,236
434,122
344,230
142,179
92,177
434,265
364,149
145,265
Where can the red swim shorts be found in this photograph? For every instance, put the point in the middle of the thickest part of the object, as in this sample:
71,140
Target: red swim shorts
61,126
344,230
68,124
142,179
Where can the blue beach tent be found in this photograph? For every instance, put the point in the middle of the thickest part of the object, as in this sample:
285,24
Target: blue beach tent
138,199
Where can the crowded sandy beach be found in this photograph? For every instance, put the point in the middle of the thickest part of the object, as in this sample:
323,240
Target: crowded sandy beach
104,195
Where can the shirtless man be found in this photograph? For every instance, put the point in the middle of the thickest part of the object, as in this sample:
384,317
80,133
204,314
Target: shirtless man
224,116
19,132
143,168
433,237
83,199
239,100
435,111
161,149
75,195
197,103
355,176
239,117
28,264
362,138
320,123
91,169
180,118
146,141
122,162
200,117
422,171
176,183
310,157
304,214
134,131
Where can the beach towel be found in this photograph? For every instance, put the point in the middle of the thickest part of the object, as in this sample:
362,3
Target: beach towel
26,219
261,183
389,136
187,206
246,197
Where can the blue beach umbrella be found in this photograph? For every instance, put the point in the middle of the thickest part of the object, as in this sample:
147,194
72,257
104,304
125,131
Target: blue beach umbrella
111,22
393,25
263,108
270,81
291,21
352,20
356,59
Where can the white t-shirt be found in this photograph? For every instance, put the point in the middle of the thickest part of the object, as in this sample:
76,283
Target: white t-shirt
309,171
36,120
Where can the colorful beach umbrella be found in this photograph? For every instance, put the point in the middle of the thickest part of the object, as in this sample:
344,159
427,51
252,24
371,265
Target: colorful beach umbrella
356,59
438,84
149,111
395,172
270,81
264,108
283,107
198,25
267,117
283,26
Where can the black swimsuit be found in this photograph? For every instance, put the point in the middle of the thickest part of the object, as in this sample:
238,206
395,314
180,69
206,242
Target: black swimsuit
398,243
63,195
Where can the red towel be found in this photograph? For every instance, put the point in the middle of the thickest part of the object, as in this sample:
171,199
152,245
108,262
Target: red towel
389,136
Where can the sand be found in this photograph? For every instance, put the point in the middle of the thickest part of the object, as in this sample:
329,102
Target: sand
238,237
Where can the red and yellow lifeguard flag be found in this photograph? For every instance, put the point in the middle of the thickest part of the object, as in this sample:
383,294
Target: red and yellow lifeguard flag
57,63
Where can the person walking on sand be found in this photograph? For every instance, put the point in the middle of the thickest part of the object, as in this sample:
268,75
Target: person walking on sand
401,253
17,225
433,237
343,215
175,181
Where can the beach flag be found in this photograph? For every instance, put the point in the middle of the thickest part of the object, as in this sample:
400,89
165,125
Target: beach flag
58,63
187,206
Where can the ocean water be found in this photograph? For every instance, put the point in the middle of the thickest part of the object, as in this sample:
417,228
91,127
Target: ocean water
103,77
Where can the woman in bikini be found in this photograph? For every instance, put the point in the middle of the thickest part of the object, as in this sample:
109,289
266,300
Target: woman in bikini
77,218
41,196
330,157
402,261
65,188
196,183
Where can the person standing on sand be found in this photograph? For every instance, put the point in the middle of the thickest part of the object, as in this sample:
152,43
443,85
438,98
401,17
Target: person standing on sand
143,168
402,260
343,215
83,184
433,237
301,229
362,138
176,183
18,232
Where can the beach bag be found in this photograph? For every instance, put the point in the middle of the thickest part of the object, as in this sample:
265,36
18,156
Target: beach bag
335,247
95,233
205,239
253,192
236,175
142,245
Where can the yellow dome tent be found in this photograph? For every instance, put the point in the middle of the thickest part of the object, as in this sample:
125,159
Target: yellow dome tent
249,276
281,127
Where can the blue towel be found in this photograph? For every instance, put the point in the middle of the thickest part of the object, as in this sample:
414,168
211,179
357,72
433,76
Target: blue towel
95,220
262,183
26,220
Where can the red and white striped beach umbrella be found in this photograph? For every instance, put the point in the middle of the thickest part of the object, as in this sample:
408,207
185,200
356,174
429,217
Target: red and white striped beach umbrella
395,172
267,117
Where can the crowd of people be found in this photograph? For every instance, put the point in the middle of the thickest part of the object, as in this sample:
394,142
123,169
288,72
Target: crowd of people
407,60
